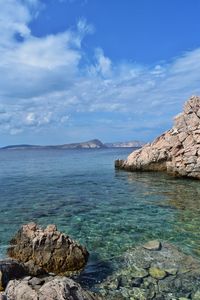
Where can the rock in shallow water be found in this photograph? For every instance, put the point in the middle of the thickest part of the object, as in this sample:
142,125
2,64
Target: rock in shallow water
176,151
47,250
167,274
157,273
153,245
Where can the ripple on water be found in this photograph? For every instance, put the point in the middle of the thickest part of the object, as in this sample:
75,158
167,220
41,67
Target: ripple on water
107,210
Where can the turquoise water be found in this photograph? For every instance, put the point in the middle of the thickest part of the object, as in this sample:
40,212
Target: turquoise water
107,210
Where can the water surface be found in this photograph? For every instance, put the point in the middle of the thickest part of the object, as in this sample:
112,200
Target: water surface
107,210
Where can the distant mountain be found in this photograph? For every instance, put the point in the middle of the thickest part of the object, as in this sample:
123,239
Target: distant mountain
130,144
84,145
92,144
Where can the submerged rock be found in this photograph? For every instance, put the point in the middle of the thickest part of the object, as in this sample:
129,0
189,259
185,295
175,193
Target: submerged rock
157,273
167,274
152,245
176,151
51,288
47,250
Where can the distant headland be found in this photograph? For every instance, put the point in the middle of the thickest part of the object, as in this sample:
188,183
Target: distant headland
92,144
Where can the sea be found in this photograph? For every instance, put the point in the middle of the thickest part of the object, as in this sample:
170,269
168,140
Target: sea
107,210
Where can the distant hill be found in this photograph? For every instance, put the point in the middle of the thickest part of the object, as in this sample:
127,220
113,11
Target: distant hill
21,146
92,144
84,145
130,144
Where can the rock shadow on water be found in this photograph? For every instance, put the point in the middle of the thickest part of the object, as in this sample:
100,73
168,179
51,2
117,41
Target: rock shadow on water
96,271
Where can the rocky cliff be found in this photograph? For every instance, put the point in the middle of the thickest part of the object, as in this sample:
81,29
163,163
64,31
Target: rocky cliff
176,151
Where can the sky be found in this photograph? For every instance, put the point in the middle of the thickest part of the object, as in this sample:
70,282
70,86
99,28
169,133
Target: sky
116,70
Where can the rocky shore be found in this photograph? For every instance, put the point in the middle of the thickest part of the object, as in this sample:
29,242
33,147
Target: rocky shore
156,270
176,151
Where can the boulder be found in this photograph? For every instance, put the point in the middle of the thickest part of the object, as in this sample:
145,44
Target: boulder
51,288
176,151
47,250
10,269
153,245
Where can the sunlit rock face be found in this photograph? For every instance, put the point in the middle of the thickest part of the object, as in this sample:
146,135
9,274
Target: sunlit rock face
47,250
176,151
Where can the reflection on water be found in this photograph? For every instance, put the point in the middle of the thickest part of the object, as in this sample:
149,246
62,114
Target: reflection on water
107,210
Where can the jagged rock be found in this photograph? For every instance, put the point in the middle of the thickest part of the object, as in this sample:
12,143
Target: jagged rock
47,250
176,151
10,269
57,288
167,274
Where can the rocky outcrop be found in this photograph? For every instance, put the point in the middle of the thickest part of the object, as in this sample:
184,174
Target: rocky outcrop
157,271
47,250
50,288
177,151
10,269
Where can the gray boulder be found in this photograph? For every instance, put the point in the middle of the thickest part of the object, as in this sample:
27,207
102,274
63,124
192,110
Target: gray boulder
51,288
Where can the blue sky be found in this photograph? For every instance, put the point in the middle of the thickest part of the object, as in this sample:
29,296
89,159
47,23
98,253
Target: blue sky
117,70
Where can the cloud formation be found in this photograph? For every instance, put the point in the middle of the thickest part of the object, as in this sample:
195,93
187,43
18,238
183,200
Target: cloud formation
49,82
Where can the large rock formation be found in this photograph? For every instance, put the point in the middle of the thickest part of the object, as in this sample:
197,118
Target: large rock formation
50,288
47,250
176,151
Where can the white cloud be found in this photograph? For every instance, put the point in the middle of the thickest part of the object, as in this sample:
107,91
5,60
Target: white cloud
14,18
104,64
47,79
37,119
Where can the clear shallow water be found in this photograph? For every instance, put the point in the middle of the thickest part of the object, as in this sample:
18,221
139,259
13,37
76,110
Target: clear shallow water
107,210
